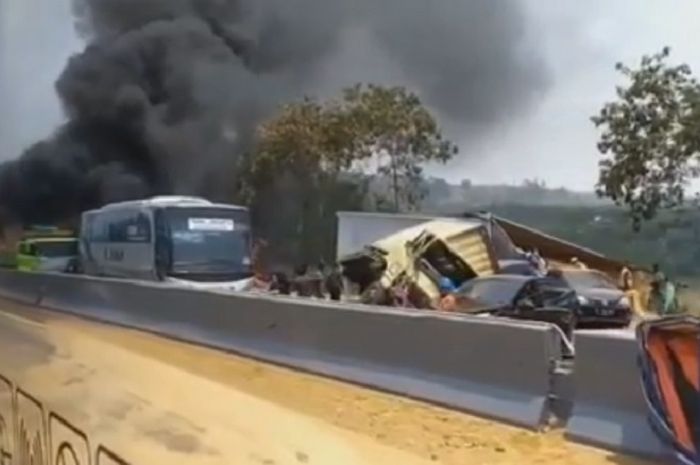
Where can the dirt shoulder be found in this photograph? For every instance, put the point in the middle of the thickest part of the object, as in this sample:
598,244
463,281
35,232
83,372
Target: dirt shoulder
390,423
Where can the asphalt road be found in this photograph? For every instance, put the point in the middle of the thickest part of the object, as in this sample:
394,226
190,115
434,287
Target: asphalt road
72,389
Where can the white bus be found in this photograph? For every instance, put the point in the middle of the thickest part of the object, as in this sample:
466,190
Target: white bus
185,240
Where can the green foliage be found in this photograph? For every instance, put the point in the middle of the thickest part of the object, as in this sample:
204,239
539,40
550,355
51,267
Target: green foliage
401,135
650,137
387,129
669,239
311,160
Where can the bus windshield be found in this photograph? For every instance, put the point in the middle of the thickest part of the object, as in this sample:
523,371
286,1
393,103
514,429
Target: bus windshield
210,241
56,248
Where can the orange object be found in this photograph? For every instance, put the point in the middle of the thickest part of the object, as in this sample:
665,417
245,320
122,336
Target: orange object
675,356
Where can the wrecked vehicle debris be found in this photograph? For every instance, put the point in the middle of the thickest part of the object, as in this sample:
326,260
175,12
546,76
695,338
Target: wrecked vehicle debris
406,266
415,258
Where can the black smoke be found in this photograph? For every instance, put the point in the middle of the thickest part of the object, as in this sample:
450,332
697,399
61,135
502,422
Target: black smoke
166,93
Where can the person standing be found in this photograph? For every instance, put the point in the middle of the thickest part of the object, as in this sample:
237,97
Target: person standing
659,275
280,284
315,280
670,305
540,262
626,280
578,264
663,292
300,284
626,284
333,282
657,297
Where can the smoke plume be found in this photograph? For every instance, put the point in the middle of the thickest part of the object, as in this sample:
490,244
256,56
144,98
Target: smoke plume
166,93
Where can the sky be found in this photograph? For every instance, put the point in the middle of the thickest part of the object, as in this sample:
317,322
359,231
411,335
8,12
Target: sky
554,140
582,42
30,60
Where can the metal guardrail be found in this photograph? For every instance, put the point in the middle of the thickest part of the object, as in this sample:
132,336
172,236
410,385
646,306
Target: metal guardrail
609,408
496,368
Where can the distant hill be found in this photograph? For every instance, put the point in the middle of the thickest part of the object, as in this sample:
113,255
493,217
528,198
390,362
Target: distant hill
440,195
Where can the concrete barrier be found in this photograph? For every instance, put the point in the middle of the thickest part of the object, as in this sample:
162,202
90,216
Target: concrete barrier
498,369
26,288
609,408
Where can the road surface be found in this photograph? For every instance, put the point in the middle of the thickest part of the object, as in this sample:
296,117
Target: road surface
80,389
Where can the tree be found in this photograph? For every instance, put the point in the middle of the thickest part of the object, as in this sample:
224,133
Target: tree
311,157
400,135
293,174
650,137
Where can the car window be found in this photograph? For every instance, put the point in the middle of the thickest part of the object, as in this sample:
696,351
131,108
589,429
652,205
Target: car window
588,280
494,291
549,291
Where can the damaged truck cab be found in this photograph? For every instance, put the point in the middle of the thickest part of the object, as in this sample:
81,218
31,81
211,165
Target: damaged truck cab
416,258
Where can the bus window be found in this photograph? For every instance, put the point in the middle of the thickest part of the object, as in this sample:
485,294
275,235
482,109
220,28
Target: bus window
55,249
132,227
97,228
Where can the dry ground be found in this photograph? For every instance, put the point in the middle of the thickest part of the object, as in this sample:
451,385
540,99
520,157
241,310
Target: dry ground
156,402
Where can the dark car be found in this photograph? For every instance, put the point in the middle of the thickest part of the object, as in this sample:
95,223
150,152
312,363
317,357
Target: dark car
520,297
600,301
584,294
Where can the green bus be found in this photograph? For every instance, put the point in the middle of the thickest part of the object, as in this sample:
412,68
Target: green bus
57,254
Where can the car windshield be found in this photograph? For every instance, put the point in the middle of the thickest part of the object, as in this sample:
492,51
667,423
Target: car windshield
588,280
55,249
492,291
215,241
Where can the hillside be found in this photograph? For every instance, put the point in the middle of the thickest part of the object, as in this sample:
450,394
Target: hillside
440,194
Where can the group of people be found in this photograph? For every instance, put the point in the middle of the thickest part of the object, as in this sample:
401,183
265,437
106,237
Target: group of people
327,282
663,299
319,282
